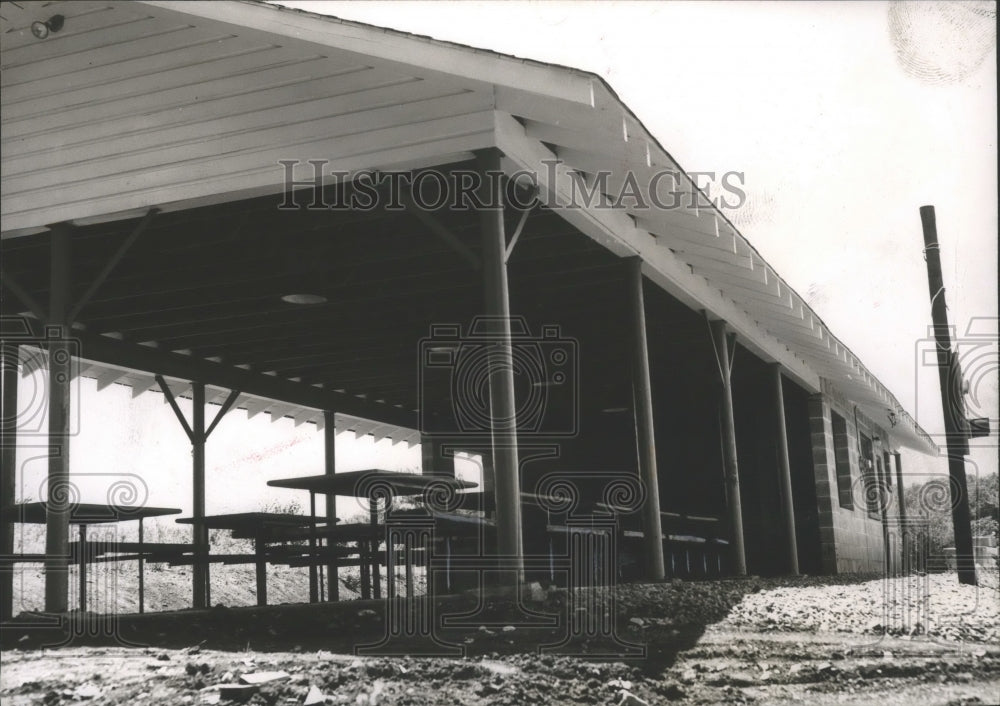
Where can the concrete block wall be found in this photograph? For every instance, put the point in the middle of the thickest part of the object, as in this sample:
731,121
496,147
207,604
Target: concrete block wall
851,540
825,474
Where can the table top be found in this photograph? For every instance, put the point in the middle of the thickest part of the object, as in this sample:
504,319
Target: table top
352,531
85,513
445,523
247,521
486,501
359,483
112,547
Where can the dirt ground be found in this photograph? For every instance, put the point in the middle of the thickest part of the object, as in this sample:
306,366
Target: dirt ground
750,641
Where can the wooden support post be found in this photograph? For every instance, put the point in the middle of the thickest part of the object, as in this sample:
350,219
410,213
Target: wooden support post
785,471
200,568
489,485
8,470
900,495
375,546
260,564
365,568
503,414
82,563
433,462
408,558
322,585
313,566
904,530
645,437
196,432
60,491
142,567
330,467
723,354
432,458
427,455
881,473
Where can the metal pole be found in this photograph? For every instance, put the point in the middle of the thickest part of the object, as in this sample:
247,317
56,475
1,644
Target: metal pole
8,471
330,468
951,402
785,471
503,418
200,568
642,399
730,463
60,491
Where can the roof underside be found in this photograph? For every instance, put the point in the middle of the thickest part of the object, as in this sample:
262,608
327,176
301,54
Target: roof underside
179,105
207,283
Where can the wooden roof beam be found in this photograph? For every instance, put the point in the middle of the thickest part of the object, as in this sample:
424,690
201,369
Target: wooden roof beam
440,231
127,355
112,262
255,407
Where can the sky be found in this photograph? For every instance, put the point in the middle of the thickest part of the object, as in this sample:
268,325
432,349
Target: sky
844,119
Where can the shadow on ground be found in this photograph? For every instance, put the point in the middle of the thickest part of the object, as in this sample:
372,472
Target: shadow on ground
646,625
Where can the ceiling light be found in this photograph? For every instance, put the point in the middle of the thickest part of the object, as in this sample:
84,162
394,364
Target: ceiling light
615,410
304,299
53,24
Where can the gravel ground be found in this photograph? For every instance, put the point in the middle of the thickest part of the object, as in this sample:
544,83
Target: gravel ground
736,641
724,668
935,605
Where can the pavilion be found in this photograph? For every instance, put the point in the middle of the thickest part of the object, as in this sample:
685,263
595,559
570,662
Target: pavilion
173,190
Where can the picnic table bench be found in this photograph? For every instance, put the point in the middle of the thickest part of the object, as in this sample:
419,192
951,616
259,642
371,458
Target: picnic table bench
261,527
373,484
85,514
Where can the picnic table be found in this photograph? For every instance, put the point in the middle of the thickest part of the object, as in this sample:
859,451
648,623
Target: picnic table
85,514
261,527
360,484
690,540
371,484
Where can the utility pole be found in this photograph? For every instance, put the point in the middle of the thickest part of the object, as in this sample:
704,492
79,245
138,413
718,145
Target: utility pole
956,426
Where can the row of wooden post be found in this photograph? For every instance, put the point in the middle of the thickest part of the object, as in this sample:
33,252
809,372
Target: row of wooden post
504,462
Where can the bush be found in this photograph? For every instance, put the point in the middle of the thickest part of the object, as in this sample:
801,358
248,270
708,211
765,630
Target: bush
932,502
